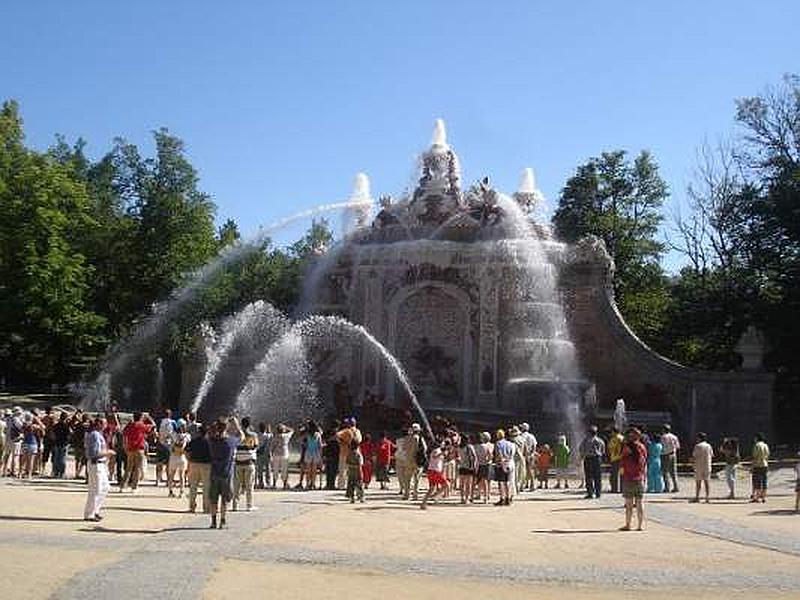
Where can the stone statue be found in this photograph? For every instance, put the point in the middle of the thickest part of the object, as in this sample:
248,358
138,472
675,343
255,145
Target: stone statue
751,348
620,418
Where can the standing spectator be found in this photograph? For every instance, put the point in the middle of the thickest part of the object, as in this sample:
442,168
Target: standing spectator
670,446
405,462
467,468
561,455
484,452
346,436
279,449
592,450
730,453
330,453
504,452
760,457
263,474
177,460
530,444
199,456
355,473
437,482
367,450
193,426
116,442
245,471
615,444
702,455
655,481
520,469
12,449
48,422
166,432
31,429
383,459
313,457
634,468
97,454
80,427
544,458
222,448
135,436
61,434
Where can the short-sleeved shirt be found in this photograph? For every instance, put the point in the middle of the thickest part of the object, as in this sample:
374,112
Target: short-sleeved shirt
702,455
561,455
670,443
135,434
760,455
222,451
198,451
279,445
634,463
383,452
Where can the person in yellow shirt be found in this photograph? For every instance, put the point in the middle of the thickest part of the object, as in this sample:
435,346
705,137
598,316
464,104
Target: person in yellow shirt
615,443
759,468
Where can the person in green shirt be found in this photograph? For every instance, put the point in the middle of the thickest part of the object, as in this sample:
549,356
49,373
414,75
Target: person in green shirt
760,458
561,460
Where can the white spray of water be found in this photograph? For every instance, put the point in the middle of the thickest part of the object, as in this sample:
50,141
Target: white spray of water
318,331
258,322
151,326
281,387
439,137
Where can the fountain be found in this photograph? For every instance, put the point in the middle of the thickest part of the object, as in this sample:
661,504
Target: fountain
491,318
312,333
147,331
462,287
257,325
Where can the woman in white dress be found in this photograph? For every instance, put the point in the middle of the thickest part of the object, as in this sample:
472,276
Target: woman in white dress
178,463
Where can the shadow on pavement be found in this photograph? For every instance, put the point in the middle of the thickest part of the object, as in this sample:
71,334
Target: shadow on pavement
146,509
40,519
569,531
775,512
100,529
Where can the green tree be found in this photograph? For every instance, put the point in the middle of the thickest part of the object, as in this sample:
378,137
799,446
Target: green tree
228,234
175,220
46,327
620,202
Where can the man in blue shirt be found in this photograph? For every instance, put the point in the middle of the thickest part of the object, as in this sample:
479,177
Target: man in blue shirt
222,443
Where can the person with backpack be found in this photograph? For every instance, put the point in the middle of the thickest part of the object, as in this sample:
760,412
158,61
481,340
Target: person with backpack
12,449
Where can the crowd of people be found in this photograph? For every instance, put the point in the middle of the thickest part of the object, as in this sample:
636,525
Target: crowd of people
221,464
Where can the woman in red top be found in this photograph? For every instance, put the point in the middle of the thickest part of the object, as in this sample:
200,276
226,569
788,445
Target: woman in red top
634,471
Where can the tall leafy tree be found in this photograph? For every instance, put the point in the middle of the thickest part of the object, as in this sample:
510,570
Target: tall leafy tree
46,327
174,219
620,202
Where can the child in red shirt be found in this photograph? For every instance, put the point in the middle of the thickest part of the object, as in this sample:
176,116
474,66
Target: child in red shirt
383,459
367,450
544,459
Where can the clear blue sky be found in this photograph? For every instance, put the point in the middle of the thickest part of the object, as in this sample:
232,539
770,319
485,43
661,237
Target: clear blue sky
281,103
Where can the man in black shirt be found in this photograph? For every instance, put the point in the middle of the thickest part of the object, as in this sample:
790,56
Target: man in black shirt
199,468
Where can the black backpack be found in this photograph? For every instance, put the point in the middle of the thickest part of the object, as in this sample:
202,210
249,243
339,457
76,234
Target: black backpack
422,453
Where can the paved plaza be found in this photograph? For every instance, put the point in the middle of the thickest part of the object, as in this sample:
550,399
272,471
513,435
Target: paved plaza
298,544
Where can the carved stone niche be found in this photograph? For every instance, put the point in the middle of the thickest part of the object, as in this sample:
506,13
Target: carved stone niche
751,347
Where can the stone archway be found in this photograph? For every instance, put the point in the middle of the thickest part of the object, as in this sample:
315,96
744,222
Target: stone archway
429,334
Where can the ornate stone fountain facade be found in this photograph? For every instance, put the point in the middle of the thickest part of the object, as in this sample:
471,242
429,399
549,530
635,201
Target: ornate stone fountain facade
459,289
